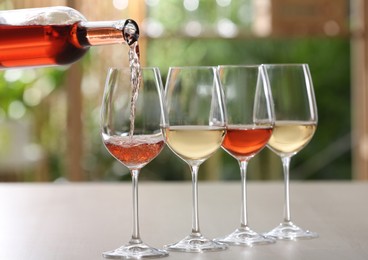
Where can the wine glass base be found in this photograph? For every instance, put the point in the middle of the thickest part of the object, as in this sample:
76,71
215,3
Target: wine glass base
195,244
289,231
135,251
246,237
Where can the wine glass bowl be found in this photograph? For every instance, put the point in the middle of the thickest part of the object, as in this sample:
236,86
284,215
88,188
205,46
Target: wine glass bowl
250,124
194,127
131,132
295,124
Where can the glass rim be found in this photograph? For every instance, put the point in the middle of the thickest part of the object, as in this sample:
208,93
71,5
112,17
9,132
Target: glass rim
240,66
192,67
128,68
284,64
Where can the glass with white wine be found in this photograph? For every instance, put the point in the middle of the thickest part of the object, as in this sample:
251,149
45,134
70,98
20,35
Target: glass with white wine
194,128
295,124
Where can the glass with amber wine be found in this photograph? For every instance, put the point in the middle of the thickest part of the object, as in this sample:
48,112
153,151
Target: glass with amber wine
250,123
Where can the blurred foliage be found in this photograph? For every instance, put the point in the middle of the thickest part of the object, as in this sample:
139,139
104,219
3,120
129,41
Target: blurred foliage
36,95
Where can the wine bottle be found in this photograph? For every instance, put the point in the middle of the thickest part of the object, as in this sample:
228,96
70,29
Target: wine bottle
56,36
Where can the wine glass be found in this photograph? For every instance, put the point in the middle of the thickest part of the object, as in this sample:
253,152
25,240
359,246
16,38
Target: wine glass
194,128
249,127
295,124
131,132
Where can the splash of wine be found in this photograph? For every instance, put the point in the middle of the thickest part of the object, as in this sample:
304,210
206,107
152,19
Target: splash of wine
131,34
135,81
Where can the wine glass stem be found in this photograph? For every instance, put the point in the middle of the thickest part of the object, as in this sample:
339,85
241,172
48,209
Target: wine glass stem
195,216
286,166
243,174
135,236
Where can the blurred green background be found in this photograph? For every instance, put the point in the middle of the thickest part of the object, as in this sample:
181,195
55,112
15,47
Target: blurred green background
34,127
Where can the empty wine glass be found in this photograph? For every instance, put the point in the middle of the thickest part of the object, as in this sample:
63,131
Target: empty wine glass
249,127
130,126
194,128
295,124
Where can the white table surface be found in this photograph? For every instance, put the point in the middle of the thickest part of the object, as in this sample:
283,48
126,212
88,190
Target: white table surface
81,220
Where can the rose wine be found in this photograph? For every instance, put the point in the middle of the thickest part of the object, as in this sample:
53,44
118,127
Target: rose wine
32,45
47,45
289,137
247,141
195,143
136,151
135,81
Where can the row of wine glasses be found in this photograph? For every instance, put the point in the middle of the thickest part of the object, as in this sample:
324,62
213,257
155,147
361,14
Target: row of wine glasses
240,108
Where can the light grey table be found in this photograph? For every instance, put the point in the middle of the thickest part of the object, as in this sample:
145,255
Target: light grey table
80,221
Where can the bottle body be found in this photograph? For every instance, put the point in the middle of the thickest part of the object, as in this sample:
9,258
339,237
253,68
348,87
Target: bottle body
38,45
52,36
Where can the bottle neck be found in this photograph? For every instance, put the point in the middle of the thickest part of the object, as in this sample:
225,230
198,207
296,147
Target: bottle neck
109,32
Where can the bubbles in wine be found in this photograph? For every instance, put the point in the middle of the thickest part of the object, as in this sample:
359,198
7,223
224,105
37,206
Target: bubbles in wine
126,141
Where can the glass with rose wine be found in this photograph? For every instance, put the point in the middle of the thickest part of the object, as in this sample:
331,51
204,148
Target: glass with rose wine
194,128
295,124
130,126
250,120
